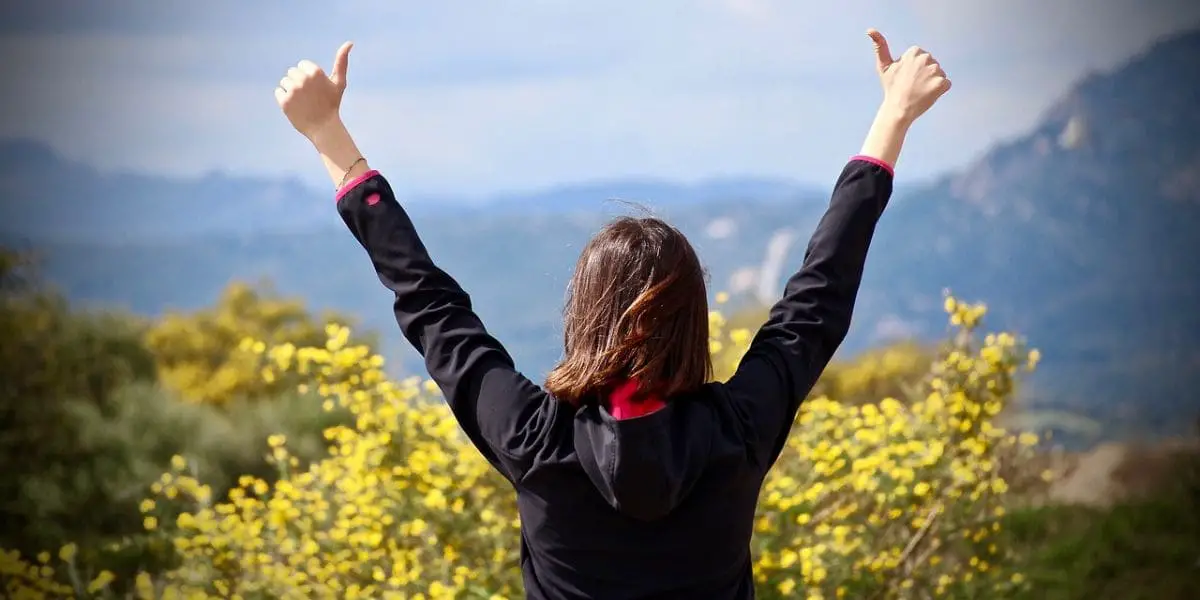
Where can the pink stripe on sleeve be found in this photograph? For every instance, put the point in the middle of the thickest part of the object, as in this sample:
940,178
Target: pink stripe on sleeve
353,183
876,162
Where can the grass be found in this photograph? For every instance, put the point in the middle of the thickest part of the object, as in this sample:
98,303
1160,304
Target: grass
1141,549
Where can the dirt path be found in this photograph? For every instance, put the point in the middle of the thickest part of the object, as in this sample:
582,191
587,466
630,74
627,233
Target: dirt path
1091,480
1115,471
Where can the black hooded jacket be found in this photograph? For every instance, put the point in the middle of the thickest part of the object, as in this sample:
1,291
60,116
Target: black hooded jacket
659,506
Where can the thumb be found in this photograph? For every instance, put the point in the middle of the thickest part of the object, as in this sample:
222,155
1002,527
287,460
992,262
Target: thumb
341,62
883,56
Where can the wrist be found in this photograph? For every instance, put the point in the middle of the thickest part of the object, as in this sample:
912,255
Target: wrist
886,136
893,117
330,134
341,156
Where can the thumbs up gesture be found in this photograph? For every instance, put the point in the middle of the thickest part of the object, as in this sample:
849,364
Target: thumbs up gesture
311,99
911,83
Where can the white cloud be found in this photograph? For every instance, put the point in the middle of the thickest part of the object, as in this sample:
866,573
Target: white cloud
721,228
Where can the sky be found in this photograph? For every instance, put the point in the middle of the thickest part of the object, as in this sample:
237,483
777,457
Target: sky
481,97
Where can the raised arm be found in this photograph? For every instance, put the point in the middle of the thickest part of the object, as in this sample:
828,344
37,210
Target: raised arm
502,412
807,325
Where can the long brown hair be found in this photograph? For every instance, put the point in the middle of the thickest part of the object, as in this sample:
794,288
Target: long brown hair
636,309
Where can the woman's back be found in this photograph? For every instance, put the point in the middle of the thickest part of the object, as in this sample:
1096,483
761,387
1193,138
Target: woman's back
657,506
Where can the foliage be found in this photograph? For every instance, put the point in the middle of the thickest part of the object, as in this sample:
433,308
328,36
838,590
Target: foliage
51,352
889,498
85,427
125,451
93,500
199,355
51,359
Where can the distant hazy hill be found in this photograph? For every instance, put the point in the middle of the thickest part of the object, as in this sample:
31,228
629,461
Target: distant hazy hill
1079,234
48,198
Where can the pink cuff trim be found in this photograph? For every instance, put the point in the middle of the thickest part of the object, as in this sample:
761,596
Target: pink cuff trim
876,162
353,183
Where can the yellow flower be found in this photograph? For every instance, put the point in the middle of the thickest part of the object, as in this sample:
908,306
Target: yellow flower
787,586
102,580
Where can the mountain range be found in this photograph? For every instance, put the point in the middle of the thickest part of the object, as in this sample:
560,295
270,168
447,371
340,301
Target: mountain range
1079,235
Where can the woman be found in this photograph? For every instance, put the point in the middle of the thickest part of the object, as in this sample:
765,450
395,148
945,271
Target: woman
636,477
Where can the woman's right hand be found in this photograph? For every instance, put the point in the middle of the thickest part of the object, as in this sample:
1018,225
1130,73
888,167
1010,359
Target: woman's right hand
311,99
911,83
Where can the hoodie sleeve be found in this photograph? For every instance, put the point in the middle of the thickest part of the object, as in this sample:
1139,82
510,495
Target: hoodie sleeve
807,325
502,412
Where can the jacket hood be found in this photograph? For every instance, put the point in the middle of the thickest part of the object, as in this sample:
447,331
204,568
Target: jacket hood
638,453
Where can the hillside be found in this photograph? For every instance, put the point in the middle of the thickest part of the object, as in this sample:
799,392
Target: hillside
1078,234
47,198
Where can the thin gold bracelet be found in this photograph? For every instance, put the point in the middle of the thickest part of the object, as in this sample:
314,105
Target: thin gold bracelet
348,169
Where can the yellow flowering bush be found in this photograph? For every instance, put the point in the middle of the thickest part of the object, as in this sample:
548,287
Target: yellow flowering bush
898,497
197,353
882,499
